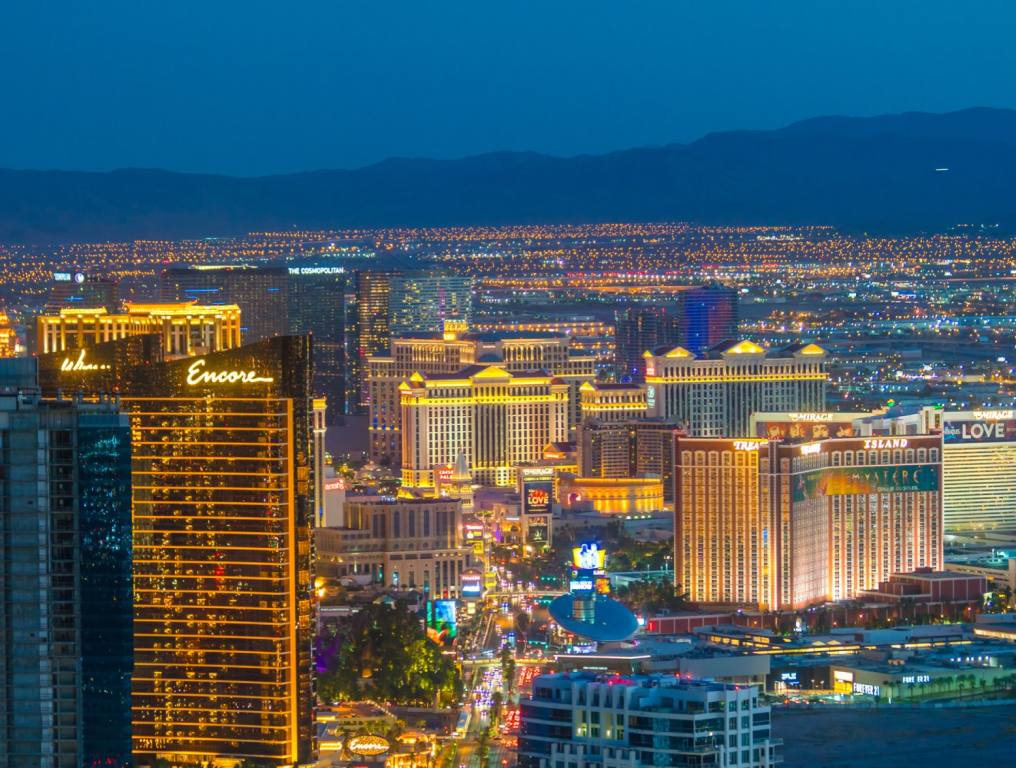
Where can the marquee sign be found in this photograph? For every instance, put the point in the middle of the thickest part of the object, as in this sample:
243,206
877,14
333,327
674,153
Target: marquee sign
196,374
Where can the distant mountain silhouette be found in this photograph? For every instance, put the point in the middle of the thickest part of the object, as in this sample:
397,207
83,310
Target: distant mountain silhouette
877,174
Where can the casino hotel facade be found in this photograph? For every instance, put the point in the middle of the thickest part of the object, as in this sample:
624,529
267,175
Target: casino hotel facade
783,525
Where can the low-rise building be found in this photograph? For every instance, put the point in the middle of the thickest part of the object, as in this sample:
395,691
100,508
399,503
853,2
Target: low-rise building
927,586
585,720
612,496
407,543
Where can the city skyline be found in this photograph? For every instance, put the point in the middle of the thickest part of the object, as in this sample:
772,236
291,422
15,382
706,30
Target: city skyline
507,385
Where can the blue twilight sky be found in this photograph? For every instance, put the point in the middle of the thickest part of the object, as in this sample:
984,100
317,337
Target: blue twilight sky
250,87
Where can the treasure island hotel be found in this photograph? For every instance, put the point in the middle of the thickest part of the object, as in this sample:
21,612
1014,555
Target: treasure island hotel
222,510
784,524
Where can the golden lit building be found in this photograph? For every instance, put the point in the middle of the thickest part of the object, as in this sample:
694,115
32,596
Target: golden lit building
613,496
223,506
612,402
187,328
783,525
715,395
9,345
588,336
978,454
438,354
495,418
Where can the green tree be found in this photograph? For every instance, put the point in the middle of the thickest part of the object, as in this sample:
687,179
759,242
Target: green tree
508,668
382,652
652,597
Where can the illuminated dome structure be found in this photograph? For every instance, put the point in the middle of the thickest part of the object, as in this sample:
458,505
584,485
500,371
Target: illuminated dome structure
588,614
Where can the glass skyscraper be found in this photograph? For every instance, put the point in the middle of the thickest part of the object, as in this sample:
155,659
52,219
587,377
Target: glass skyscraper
261,292
422,301
317,306
107,607
637,330
706,316
65,584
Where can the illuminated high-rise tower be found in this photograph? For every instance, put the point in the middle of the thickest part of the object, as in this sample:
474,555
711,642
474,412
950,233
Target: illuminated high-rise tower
223,473
261,292
317,305
715,395
373,329
706,316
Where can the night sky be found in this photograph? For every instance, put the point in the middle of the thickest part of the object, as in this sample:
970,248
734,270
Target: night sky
248,87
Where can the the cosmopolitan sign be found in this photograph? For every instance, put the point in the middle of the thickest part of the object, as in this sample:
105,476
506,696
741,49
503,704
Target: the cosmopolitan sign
197,374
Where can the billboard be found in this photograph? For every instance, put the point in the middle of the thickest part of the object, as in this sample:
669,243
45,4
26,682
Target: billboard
536,496
442,623
985,430
538,530
471,584
589,556
804,430
836,481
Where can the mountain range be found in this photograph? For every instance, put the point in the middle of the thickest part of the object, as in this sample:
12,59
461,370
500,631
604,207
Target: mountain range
902,173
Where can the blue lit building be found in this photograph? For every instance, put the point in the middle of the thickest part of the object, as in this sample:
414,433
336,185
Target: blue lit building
107,612
65,586
706,316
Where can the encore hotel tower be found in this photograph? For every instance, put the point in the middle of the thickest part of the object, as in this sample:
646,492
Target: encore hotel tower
222,504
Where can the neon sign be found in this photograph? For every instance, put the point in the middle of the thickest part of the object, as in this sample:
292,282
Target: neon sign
895,442
197,375
990,415
79,364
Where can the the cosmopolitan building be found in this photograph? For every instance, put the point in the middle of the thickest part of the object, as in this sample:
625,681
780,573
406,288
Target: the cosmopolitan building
317,305
405,543
581,719
715,395
222,486
782,525
446,353
637,329
495,418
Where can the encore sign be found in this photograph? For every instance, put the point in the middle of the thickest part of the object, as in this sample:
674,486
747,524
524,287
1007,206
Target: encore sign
197,374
